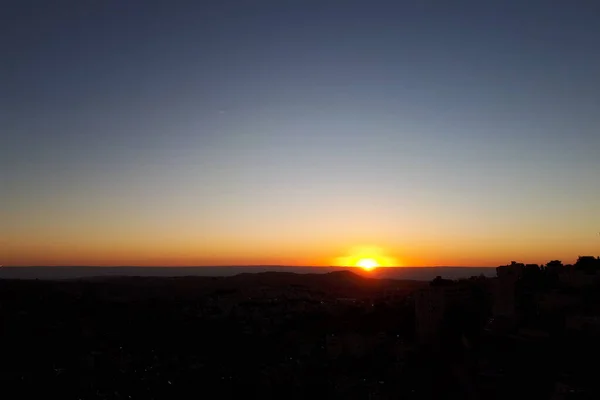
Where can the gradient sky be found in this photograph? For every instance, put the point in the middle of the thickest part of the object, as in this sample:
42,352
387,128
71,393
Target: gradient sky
290,132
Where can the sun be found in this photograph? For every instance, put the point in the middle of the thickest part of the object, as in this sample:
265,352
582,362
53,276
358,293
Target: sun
367,264
367,258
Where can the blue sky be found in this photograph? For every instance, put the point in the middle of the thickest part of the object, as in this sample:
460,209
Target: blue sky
304,126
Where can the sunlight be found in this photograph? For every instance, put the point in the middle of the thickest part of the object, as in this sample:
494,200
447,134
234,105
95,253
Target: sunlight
367,258
367,264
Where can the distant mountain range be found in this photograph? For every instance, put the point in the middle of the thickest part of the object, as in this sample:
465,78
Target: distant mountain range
404,273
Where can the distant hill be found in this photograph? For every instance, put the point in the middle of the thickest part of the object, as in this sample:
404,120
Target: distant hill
341,278
271,284
404,273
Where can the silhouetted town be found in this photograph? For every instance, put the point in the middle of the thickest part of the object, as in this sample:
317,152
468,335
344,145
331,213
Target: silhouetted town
532,332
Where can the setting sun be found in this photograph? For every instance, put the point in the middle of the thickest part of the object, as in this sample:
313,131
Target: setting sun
367,258
367,264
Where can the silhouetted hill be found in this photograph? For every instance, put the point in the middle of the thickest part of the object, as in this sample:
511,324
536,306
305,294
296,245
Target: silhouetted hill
333,284
411,273
327,281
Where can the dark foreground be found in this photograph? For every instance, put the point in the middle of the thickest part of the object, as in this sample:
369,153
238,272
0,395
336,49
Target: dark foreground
267,336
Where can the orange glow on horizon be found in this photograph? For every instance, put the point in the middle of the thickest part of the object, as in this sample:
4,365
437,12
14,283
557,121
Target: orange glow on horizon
42,250
367,258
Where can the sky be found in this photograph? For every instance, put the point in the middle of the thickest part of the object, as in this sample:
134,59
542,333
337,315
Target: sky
296,132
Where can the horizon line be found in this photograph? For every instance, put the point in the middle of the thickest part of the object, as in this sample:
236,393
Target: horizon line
237,266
